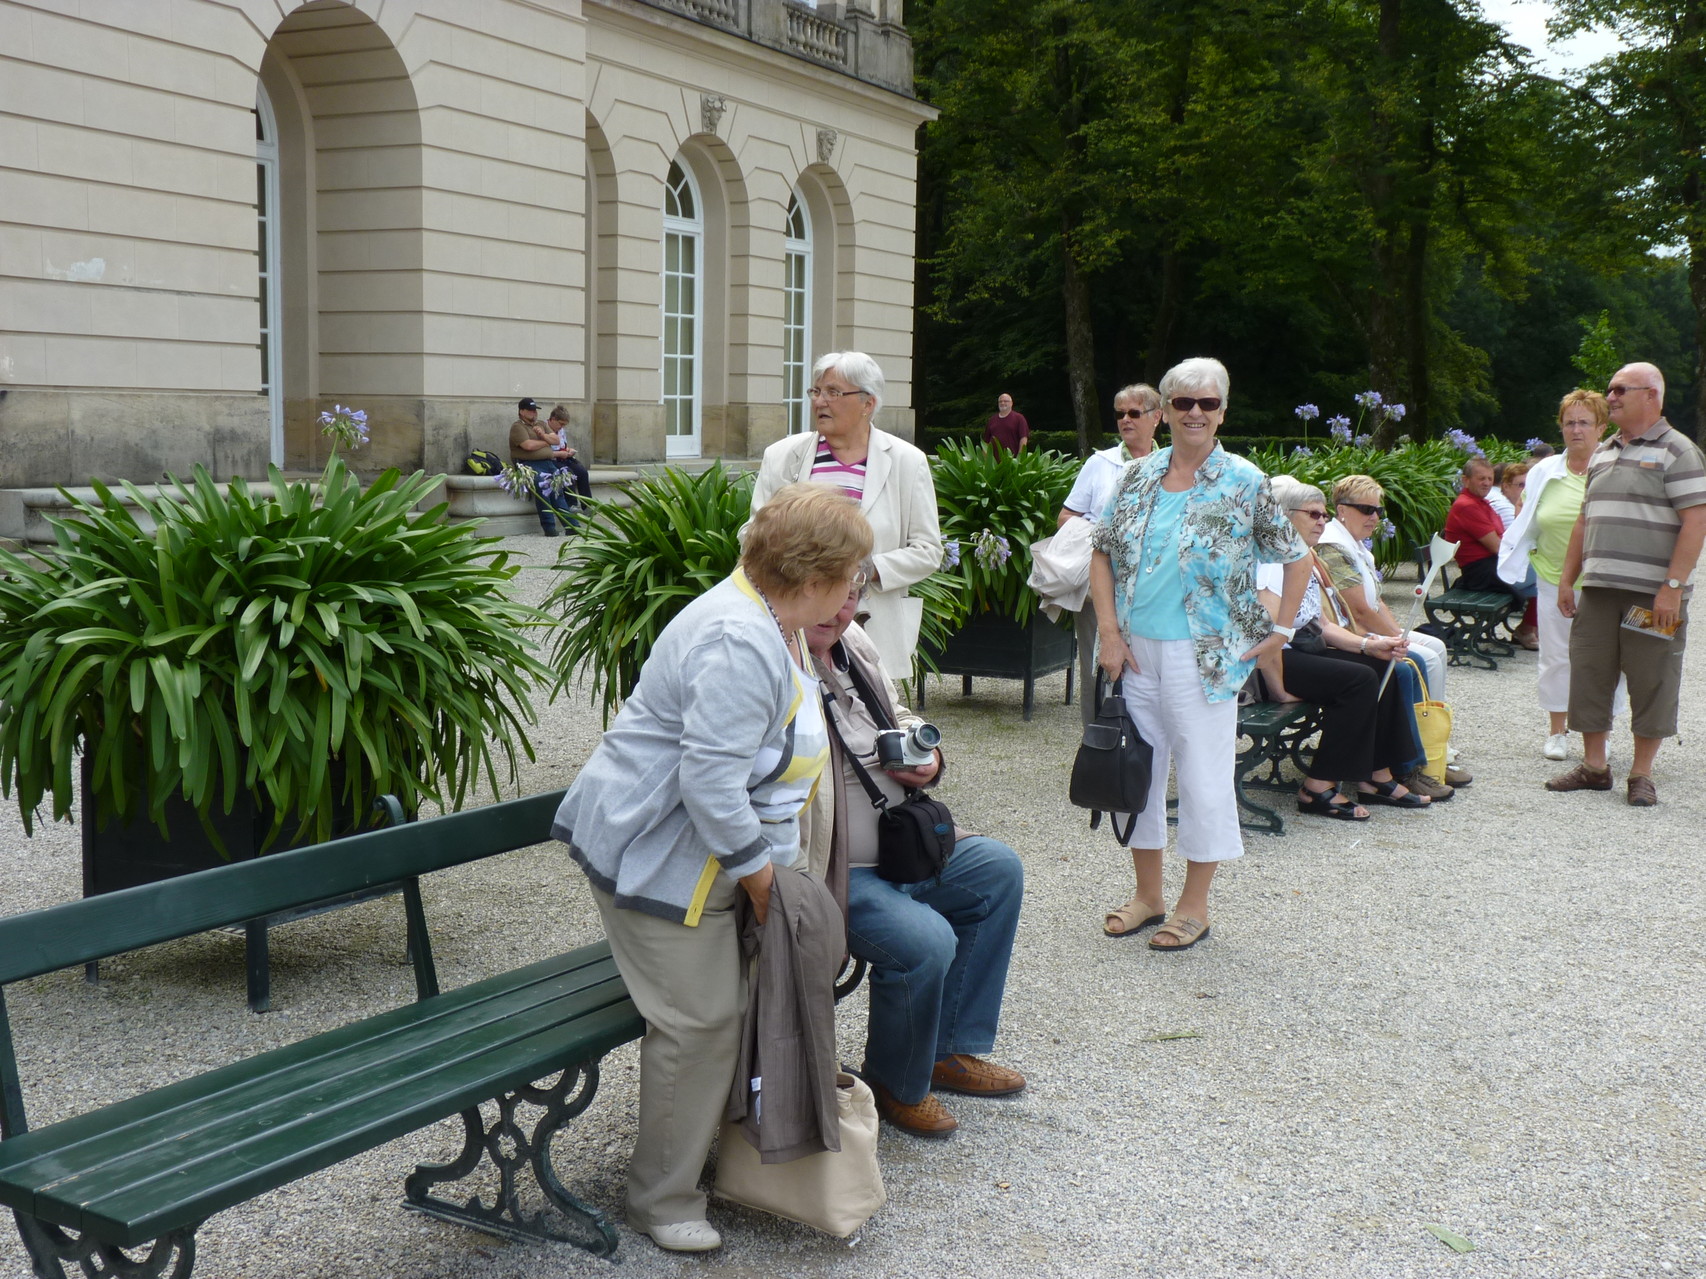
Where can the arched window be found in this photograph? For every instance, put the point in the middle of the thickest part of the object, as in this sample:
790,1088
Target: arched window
266,213
683,291
797,314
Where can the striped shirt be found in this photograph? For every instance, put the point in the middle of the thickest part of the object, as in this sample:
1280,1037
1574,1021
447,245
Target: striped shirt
849,477
1630,520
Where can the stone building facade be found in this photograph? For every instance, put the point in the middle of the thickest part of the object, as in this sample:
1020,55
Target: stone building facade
219,217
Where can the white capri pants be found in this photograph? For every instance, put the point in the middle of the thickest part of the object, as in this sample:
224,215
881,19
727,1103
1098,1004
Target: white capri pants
1553,682
1198,738
1431,654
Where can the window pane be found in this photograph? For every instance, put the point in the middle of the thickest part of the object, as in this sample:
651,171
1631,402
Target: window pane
689,254
672,253
688,329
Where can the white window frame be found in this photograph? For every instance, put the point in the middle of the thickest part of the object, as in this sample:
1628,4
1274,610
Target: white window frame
797,315
267,267
687,231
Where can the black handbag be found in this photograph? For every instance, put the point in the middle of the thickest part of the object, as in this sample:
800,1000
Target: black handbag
914,837
1111,773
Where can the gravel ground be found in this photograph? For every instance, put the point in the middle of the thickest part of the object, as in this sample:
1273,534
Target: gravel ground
1478,1017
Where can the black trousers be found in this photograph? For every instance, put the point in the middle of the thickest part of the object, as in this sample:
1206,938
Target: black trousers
1359,735
1483,575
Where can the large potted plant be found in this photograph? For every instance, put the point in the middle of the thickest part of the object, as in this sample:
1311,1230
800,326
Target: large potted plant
258,669
993,505
634,567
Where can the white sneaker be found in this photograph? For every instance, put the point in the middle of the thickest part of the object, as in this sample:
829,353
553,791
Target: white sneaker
1557,746
684,1236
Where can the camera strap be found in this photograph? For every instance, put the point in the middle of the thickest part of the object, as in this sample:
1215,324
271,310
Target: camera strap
866,693
879,801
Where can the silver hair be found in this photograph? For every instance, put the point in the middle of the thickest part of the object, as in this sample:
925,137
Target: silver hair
1147,397
859,369
1199,371
1291,492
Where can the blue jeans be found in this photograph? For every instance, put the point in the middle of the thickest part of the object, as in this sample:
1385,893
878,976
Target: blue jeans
938,953
551,506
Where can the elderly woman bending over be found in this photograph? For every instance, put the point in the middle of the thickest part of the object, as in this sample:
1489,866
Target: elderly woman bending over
692,797
1173,580
889,478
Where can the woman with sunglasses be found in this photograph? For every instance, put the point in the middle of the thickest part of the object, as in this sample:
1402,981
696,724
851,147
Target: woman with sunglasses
1179,623
1137,412
889,478
1368,735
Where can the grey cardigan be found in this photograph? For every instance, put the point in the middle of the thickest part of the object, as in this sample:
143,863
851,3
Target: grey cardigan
667,800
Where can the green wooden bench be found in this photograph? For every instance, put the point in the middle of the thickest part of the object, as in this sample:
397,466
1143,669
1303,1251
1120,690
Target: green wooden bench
141,1175
1470,620
1277,732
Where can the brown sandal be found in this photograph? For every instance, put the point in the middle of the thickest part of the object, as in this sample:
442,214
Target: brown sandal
1186,928
1642,792
1132,917
1581,777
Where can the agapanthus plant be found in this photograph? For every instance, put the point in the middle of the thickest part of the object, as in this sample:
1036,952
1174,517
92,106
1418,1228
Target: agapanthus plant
345,427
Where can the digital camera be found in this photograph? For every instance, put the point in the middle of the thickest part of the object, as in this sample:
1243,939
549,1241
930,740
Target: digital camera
908,747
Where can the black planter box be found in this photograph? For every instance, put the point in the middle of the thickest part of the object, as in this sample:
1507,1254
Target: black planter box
996,646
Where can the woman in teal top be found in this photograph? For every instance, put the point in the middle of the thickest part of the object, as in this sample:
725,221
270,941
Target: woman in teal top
1173,581
1552,498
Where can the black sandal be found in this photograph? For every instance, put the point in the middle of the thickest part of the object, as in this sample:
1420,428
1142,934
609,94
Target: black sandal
1320,803
1387,793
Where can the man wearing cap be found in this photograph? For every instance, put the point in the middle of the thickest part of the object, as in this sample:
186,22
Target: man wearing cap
1626,579
535,447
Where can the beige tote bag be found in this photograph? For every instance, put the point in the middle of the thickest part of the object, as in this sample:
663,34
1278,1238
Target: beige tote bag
835,1192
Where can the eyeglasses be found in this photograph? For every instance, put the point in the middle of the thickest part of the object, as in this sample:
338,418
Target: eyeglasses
1312,514
1185,403
1365,508
828,393
859,581
1119,413
1616,389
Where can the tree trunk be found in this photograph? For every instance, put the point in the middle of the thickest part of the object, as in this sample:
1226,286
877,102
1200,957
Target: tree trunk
1080,340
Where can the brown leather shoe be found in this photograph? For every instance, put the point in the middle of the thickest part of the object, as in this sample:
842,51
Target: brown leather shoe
1642,792
1425,784
975,1077
1581,777
927,1118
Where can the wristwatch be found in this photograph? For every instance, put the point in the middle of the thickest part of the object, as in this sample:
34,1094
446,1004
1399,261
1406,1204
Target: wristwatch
1288,631
1673,583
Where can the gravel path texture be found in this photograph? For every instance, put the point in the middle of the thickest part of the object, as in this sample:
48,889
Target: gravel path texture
1486,1017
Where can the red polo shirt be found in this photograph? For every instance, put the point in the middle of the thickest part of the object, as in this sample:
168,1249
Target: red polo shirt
1471,518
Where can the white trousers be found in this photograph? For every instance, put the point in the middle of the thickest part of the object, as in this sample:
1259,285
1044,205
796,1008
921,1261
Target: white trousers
1431,656
1198,738
1553,684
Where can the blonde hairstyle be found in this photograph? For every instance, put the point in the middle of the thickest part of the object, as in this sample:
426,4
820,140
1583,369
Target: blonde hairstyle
807,535
1358,488
1593,401
1510,472
1142,394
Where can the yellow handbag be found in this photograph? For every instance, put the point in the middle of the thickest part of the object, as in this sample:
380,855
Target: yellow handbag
1433,725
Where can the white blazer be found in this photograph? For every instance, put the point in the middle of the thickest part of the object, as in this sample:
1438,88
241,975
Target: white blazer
900,503
1518,540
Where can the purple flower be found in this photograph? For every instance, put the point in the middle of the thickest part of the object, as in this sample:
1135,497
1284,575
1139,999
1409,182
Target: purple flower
1303,450
345,426
950,555
1308,412
991,550
1363,440
1394,412
1458,438
1388,529
1340,429
1533,444
1367,400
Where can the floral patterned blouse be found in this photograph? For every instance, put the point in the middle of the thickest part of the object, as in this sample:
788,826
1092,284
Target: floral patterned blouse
1232,522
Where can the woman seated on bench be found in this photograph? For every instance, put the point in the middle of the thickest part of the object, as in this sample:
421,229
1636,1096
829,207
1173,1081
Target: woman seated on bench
692,796
1366,735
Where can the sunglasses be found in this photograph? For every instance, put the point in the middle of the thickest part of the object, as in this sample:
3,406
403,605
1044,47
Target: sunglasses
1119,413
1365,508
1312,514
1617,389
1185,403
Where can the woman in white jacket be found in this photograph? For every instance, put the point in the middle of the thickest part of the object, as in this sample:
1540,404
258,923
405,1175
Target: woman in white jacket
889,478
1552,498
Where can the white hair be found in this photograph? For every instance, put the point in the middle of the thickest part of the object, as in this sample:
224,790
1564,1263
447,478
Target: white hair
859,369
1199,371
1291,491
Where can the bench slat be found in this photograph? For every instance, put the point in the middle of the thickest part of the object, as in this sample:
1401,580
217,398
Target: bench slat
222,1138
79,932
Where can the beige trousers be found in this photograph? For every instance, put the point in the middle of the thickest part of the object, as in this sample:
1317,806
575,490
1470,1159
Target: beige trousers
690,986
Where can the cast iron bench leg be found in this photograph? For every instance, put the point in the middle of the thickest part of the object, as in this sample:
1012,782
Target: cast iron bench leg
51,1246
513,1149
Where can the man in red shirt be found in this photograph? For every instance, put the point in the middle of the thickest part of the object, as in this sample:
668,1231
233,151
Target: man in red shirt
1476,527
1006,429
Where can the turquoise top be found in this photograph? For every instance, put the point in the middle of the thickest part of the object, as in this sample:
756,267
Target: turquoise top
1155,596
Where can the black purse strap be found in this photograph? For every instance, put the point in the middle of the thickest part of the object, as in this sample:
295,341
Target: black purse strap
879,801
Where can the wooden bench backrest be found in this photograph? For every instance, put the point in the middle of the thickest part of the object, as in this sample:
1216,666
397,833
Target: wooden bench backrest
79,932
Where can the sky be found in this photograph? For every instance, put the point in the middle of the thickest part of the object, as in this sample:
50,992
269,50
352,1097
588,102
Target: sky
1526,22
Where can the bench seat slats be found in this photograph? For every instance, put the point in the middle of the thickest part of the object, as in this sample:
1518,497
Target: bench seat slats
156,1162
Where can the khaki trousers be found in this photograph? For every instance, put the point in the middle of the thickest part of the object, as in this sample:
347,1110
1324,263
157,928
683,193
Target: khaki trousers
690,986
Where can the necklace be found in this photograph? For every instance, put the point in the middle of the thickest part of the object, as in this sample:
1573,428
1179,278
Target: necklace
1571,467
787,640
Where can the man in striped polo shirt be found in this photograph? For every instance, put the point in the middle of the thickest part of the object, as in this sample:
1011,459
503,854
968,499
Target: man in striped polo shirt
1634,546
